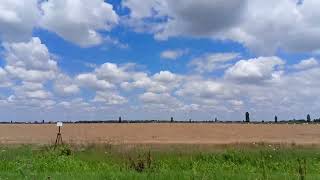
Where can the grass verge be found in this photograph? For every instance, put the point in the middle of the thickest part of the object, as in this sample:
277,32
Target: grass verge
143,162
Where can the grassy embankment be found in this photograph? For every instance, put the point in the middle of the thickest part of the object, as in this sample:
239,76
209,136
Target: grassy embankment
263,162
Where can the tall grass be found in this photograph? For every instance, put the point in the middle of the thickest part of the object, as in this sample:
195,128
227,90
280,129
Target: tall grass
30,162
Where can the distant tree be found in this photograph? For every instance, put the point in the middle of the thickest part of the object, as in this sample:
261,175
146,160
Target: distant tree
275,119
190,120
120,119
308,118
247,117
171,119
42,121
216,120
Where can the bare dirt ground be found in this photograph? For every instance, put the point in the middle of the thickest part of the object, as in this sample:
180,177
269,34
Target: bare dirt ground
215,134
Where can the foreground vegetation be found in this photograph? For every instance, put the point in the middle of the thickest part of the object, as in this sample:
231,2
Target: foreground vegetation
108,162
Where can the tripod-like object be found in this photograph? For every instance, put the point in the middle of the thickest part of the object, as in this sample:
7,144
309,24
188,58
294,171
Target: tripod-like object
59,138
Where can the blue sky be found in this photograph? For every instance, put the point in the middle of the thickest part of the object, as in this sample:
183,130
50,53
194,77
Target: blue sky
95,59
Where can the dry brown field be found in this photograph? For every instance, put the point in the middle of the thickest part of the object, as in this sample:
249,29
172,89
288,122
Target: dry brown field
164,133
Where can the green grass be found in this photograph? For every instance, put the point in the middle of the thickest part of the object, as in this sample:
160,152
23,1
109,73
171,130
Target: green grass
96,162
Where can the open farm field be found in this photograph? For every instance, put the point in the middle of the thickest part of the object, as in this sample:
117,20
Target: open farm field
164,133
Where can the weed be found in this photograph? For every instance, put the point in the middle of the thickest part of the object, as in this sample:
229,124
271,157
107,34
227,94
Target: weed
302,169
141,163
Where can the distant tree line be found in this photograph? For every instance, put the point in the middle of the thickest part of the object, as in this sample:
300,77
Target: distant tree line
308,120
171,120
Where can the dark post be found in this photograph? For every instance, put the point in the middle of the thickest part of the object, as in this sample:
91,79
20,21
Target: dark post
247,117
171,119
308,118
275,119
120,119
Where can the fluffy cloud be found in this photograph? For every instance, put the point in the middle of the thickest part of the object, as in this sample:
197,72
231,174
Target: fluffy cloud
255,70
112,72
74,103
28,68
173,54
31,90
105,81
264,91
198,18
154,98
204,91
29,73
213,61
109,98
29,61
31,95
78,21
289,26
65,86
17,19
109,76
91,81
161,82
4,79
165,77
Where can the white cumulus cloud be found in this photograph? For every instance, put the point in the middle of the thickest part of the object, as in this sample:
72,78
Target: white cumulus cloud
255,70
79,21
17,19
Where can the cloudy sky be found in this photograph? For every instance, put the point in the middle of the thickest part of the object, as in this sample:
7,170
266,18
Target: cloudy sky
95,59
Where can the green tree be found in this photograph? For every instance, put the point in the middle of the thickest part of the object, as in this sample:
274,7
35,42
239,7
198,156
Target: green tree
247,117
308,118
